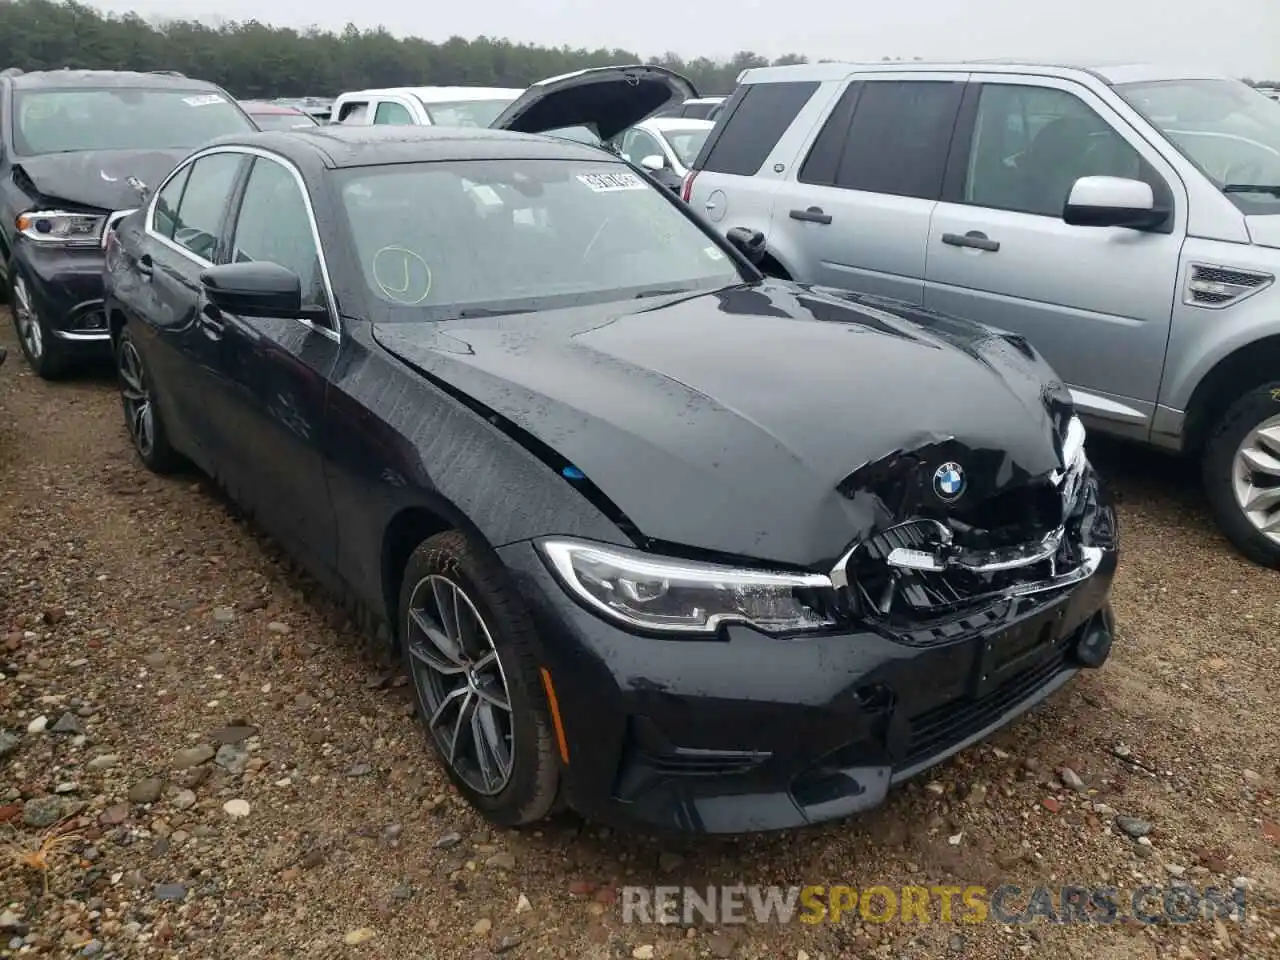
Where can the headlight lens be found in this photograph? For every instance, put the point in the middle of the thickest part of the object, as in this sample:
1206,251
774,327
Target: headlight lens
682,596
58,226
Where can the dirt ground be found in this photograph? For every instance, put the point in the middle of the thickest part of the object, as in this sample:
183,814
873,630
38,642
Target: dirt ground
144,627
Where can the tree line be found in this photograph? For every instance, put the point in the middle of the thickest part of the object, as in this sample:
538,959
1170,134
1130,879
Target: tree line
252,59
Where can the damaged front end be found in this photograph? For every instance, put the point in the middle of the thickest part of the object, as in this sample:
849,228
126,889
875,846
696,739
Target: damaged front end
935,571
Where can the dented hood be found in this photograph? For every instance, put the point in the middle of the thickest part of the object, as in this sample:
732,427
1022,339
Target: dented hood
606,100
741,421
97,178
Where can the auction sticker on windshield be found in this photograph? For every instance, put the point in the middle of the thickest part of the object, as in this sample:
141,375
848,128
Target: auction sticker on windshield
609,182
207,100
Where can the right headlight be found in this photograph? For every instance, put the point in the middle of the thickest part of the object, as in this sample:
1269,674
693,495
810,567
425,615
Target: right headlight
670,595
61,227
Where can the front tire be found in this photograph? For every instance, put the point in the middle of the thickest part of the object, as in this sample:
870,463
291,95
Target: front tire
468,644
1242,473
141,415
46,356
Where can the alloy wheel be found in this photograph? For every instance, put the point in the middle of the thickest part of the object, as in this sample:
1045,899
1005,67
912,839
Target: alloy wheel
138,408
461,684
28,323
1256,478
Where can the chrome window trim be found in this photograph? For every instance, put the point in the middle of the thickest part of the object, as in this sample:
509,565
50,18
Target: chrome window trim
333,332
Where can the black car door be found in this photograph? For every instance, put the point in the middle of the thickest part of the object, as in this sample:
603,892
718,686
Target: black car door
275,371
180,241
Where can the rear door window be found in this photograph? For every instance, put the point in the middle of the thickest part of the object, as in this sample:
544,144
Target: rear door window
753,126
898,137
354,111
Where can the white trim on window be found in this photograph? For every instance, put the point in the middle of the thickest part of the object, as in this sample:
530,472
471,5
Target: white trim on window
333,332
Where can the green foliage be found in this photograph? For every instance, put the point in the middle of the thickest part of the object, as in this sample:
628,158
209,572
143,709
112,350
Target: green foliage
254,60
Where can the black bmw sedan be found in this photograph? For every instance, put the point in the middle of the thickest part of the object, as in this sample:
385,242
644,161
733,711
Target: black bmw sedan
661,539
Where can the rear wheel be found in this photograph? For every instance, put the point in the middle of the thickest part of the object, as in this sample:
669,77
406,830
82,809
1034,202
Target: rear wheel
1242,473
468,645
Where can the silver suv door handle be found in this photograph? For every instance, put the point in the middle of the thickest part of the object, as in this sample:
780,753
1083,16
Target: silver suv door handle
974,238
811,215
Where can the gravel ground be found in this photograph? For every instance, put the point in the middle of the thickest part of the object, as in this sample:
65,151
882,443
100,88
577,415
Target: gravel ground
248,779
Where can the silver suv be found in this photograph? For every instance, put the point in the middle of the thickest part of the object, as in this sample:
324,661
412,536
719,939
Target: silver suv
1126,220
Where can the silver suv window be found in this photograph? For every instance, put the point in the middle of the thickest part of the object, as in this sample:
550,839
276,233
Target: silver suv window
755,118
1030,144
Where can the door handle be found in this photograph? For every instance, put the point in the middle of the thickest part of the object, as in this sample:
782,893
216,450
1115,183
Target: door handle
210,324
974,238
811,215
144,266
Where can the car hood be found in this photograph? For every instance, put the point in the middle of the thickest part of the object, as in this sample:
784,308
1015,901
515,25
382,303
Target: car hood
605,100
1264,230
757,421
97,178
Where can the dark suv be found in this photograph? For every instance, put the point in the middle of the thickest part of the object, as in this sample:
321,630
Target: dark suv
79,149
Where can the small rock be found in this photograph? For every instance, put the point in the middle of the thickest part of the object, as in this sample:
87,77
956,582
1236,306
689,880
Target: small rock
1175,870
146,791
1072,780
184,799
935,787
482,927
450,839
223,614
358,936
91,949
233,758
718,945
42,811
1052,804
9,920
236,808
956,943
359,770
155,660
38,725
1242,883
523,905
643,952
68,723
193,756
114,815
509,942
1133,826
401,891
275,626
169,891
955,839
9,743
233,734
1252,777
103,762
502,861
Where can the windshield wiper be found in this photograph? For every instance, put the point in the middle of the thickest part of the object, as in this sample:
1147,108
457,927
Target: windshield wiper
661,292
1271,188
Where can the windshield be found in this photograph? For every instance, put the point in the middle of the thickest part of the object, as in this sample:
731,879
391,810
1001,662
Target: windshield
120,118
522,235
687,143
466,113
282,121
1225,127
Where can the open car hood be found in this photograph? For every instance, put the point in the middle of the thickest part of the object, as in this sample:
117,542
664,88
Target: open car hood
606,100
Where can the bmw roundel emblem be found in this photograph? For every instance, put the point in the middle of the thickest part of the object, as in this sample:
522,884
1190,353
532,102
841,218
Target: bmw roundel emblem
949,482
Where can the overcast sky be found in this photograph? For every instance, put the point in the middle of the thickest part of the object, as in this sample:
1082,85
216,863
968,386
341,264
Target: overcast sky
1241,37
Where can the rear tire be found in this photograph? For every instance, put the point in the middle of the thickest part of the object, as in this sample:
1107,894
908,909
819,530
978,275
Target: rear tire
141,414
1241,472
468,644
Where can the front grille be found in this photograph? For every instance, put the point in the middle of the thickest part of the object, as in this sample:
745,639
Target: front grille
1218,287
939,728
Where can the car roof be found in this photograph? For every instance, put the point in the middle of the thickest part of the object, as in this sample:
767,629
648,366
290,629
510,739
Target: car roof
339,145
1111,73
670,124
108,78
266,106
441,94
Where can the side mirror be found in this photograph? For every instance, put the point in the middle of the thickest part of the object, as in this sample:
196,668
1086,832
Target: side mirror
1112,202
750,243
654,162
254,289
